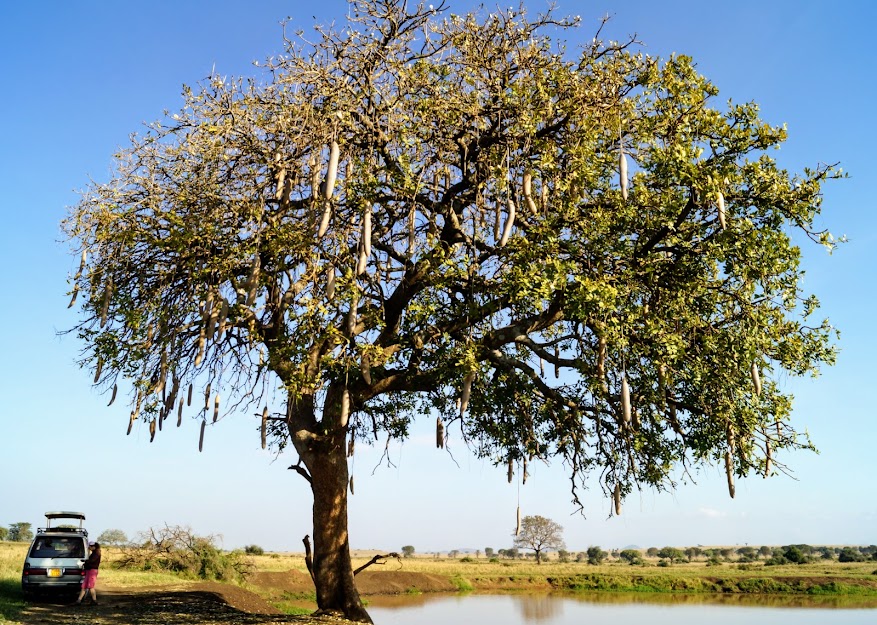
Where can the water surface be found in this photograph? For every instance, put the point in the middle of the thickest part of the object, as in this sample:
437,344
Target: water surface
621,609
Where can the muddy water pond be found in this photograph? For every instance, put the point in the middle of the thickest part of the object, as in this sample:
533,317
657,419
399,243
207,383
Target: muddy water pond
620,609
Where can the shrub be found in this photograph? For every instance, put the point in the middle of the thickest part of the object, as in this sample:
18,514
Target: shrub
177,550
466,559
254,550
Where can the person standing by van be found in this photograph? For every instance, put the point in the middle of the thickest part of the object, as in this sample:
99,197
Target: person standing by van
92,564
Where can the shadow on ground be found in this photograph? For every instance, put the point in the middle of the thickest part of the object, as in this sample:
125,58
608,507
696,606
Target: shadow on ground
199,605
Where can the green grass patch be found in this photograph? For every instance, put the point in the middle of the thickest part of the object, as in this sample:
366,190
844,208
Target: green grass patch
11,599
462,584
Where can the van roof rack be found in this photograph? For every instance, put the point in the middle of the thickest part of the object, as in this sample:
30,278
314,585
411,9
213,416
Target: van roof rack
63,514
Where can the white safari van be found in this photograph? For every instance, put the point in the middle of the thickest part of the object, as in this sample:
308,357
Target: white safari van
56,555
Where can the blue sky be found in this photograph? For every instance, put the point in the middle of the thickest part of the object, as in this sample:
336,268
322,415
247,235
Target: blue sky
80,77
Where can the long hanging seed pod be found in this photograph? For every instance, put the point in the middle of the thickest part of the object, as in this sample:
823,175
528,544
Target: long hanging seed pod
113,398
216,408
720,204
223,318
367,231
98,369
518,523
412,231
556,361
439,433
729,472
207,397
263,430
467,389
365,367
152,430
524,474
202,345
510,222
189,399
497,222
729,459
767,455
622,171
78,275
330,282
180,412
324,221
331,171
131,421
345,407
756,378
201,436
351,485
528,193
616,496
511,471
625,399
105,306
253,280
208,318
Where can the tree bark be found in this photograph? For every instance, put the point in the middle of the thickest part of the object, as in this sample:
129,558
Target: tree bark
325,456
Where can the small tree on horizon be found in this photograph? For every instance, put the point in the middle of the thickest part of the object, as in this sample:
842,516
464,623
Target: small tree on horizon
408,551
539,533
20,532
4,533
113,538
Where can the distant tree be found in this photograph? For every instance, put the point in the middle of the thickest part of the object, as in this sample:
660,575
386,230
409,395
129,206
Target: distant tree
848,554
765,551
453,553
691,553
632,556
513,553
726,553
596,555
672,554
477,553
539,533
793,553
488,552
652,552
20,532
254,550
747,554
563,555
408,551
4,533
113,538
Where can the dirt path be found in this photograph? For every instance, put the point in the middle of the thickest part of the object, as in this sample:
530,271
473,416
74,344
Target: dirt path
201,604
212,603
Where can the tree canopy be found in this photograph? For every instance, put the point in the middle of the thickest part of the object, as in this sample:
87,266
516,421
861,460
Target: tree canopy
585,257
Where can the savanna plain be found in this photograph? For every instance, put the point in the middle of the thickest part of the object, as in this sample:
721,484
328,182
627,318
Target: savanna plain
276,587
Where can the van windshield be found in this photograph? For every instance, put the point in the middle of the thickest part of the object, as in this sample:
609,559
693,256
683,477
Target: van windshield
58,547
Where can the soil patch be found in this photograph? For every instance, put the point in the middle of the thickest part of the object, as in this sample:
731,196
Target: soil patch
207,603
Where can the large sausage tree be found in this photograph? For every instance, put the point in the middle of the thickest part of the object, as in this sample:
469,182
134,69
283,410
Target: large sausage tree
424,215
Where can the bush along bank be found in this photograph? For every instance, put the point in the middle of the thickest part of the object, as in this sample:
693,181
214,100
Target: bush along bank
732,585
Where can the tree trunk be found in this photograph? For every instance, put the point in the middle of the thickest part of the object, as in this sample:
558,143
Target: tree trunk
325,457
